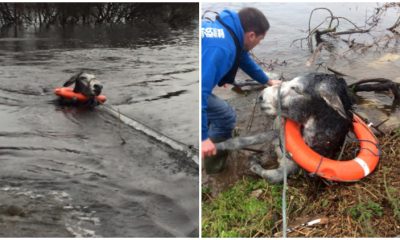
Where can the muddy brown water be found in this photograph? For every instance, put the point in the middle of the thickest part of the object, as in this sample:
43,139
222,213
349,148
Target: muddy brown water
289,21
77,172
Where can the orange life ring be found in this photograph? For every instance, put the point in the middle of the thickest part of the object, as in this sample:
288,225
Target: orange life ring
343,171
68,93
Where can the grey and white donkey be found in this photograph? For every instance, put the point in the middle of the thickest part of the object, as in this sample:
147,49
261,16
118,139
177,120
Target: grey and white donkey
320,103
85,83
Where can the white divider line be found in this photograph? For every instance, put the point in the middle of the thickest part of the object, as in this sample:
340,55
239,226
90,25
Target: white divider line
191,153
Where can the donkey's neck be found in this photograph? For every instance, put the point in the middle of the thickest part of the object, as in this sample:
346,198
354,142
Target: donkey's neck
310,129
325,134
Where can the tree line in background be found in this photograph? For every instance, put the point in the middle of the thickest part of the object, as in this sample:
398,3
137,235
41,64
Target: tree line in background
96,13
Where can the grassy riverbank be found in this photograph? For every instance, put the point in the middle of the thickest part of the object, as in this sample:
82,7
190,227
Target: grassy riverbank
368,208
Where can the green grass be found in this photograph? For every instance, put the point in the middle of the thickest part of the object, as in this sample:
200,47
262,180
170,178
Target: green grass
392,194
238,213
364,212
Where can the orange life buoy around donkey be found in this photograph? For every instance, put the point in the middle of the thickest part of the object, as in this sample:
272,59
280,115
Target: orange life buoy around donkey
68,93
344,170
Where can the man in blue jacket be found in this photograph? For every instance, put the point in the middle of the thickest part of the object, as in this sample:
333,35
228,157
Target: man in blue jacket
225,45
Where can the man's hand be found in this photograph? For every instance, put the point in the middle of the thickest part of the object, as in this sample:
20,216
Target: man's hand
273,82
208,148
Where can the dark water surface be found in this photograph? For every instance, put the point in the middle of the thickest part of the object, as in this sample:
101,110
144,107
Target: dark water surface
68,171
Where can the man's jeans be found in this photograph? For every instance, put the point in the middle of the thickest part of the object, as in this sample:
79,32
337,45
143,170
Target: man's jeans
221,119
221,122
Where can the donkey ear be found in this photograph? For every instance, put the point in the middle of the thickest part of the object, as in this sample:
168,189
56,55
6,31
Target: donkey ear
333,101
72,80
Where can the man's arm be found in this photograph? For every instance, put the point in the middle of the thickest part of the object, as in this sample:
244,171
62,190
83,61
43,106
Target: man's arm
252,69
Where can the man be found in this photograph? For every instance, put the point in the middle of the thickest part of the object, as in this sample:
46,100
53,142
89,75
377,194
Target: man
225,45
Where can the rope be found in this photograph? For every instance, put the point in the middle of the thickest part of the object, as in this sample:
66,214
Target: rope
319,165
283,146
250,124
355,153
190,152
367,149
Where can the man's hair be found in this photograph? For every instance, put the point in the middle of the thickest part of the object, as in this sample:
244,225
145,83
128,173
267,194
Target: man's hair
253,20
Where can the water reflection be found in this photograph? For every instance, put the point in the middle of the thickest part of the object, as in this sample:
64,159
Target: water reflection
86,36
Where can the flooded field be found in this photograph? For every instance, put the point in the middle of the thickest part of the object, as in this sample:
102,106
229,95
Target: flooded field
78,172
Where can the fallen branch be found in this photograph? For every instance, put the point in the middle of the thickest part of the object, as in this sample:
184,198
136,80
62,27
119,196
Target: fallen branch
377,85
349,32
336,72
315,55
331,28
395,25
310,32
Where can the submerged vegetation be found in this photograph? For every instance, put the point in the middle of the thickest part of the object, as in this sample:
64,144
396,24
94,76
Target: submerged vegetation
368,208
95,13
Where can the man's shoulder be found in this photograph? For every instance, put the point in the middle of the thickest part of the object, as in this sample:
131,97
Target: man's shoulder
214,35
212,30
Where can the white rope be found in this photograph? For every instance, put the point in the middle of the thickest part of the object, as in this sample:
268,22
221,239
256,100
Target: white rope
283,145
174,144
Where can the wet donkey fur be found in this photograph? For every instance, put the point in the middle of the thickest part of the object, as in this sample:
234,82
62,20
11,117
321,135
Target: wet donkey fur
320,103
85,83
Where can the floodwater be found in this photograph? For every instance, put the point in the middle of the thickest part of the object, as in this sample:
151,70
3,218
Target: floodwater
75,172
289,21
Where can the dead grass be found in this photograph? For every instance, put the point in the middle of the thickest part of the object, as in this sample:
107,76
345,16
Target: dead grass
368,208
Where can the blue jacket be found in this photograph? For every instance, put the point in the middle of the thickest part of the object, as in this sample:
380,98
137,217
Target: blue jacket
218,56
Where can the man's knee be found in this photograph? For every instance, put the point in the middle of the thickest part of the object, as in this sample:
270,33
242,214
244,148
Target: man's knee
231,118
